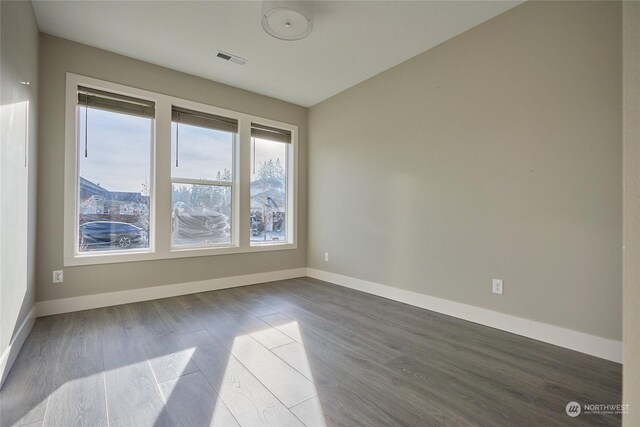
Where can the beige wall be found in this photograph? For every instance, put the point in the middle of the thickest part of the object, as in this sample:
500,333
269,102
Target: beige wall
59,56
631,84
495,155
18,62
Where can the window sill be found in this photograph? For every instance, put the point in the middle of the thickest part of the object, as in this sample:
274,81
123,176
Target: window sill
113,258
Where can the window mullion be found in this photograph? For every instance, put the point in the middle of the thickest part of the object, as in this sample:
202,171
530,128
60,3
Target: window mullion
244,176
162,187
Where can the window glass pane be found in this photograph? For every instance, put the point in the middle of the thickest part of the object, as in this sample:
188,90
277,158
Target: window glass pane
114,184
202,153
201,215
268,192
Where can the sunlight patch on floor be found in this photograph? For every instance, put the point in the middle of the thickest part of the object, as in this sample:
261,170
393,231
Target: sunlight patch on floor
295,388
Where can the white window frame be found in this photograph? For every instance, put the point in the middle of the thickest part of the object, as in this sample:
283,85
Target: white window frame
292,174
234,184
161,181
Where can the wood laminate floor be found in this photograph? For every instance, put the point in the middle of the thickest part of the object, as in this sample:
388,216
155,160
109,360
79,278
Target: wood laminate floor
293,353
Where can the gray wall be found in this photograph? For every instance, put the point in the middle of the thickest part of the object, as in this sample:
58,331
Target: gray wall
631,82
496,154
18,62
59,56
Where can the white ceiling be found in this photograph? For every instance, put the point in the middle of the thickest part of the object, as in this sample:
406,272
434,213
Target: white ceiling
351,40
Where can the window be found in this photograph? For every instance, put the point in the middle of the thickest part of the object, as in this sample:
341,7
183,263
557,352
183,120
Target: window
150,176
268,189
202,148
115,134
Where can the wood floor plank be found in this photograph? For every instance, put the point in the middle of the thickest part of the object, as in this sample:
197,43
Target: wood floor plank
112,320
343,335
250,402
341,376
293,351
236,300
284,324
295,355
80,399
147,320
189,301
179,319
62,350
315,352
408,337
26,390
219,322
168,357
428,347
79,371
264,333
429,378
65,338
133,397
42,339
336,315
80,342
486,350
238,321
378,309
193,402
310,412
287,384
347,406
210,356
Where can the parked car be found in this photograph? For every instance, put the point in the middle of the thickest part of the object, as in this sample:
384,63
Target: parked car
110,233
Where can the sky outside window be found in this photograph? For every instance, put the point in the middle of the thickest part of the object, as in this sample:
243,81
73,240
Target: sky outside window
119,157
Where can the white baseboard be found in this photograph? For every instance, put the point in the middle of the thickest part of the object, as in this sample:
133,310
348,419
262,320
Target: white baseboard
567,338
85,302
11,352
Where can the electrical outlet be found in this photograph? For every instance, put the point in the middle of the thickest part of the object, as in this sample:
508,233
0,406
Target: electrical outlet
497,286
326,256
58,276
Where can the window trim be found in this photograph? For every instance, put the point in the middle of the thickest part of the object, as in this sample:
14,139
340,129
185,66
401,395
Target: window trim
291,177
234,201
161,181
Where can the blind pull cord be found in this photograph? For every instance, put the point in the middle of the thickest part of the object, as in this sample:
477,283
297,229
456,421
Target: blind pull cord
86,123
177,136
26,132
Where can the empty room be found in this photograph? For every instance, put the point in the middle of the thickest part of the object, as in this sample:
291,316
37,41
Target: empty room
319,213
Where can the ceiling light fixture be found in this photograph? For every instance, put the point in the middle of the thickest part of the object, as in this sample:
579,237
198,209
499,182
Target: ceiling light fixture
287,20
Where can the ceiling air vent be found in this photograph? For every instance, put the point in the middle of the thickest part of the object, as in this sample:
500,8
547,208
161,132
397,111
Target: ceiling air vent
231,58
